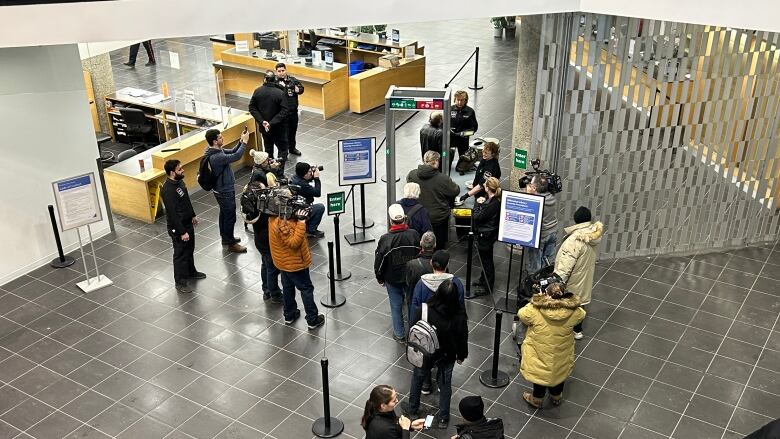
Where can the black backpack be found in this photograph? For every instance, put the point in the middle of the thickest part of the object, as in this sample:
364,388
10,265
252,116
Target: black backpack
206,178
249,201
491,429
466,160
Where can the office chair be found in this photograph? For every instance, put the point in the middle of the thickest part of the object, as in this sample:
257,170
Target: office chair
126,154
136,126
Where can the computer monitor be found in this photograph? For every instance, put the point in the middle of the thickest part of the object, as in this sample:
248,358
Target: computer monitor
269,45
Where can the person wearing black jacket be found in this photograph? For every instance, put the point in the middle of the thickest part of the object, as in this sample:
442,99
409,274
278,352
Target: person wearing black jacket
292,87
269,274
437,194
485,216
477,426
431,135
417,267
379,419
305,175
450,320
488,167
463,119
270,107
181,221
394,249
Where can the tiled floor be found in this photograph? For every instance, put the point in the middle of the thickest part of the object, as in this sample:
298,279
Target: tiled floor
683,347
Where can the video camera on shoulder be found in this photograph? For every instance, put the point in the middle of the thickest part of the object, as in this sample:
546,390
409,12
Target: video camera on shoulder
554,182
282,201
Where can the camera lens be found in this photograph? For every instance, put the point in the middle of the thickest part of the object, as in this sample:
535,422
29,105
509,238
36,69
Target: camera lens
318,167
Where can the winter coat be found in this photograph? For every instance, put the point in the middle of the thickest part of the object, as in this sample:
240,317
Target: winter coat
437,191
269,104
430,139
415,269
384,425
419,220
576,259
394,249
220,160
289,247
548,348
451,329
429,283
483,429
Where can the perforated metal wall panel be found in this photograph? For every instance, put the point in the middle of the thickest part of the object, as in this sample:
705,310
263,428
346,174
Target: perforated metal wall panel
667,131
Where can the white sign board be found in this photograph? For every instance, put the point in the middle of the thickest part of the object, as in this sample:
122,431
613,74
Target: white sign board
77,201
242,46
520,220
409,52
357,162
174,60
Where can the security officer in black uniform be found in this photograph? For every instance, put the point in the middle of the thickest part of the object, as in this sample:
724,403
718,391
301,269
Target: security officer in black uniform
462,119
181,221
293,88
270,107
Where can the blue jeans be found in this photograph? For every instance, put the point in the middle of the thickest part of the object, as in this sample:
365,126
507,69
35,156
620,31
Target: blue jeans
227,215
534,257
315,217
301,280
395,292
269,275
443,378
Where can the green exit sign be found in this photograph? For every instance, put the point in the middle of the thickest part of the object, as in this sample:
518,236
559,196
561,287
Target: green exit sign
521,158
403,104
336,203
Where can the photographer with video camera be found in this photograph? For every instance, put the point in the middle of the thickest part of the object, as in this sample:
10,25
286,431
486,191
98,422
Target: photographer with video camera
258,218
307,177
290,253
546,184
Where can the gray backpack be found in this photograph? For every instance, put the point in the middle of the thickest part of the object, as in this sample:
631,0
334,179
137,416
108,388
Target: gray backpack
422,345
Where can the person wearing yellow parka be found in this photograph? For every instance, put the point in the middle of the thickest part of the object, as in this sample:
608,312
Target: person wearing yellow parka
548,348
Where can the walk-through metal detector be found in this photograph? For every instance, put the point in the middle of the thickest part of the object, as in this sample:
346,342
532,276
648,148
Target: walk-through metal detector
413,99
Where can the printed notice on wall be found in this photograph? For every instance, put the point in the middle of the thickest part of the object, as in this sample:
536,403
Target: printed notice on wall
357,164
520,218
77,201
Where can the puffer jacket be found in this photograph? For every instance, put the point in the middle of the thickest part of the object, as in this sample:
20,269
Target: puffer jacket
576,259
437,191
548,348
289,247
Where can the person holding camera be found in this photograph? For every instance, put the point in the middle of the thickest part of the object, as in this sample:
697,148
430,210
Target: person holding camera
536,258
307,177
290,253
292,88
485,216
269,274
270,107
437,194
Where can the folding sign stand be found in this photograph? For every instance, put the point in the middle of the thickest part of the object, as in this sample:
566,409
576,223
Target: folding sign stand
413,99
97,282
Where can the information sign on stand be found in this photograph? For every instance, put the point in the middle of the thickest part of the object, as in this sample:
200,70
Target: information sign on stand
357,163
520,219
336,203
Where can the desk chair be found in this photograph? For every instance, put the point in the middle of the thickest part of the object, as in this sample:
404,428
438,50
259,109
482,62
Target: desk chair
126,154
136,127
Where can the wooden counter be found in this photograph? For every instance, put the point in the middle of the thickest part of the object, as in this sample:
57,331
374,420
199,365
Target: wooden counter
367,90
326,88
365,46
133,192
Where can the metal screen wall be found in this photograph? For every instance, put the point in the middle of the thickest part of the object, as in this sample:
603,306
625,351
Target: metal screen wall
667,131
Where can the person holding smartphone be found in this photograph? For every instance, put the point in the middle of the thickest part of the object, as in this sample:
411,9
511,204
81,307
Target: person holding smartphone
379,419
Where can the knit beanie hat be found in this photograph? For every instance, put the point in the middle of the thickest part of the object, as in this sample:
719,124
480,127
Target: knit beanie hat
259,156
472,408
582,215
301,169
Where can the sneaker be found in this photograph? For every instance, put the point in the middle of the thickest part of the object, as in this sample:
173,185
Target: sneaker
129,64
291,320
236,248
295,151
578,335
151,63
315,234
198,275
317,323
400,339
277,299
183,288
425,390
443,423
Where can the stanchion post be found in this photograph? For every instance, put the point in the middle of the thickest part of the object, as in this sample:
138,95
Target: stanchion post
476,86
469,261
337,233
493,377
333,300
326,426
62,261
364,224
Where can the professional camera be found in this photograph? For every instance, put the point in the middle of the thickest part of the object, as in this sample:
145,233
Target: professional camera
281,201
317,167
554,182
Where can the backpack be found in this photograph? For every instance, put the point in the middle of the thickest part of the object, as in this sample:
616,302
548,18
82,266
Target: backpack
422,347
206,178
466,161
250,208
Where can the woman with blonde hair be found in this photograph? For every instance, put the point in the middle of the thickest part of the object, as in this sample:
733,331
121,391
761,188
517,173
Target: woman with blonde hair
485,217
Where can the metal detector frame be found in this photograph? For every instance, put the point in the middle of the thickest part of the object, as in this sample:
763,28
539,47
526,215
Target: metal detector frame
421,94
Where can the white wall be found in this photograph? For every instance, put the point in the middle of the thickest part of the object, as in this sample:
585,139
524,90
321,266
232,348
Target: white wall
46,135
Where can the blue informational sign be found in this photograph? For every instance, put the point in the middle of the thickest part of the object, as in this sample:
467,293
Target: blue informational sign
520,219
357,163
77,201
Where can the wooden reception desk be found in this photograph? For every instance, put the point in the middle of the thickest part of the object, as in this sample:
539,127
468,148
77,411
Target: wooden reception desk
367,89
326,88
134,192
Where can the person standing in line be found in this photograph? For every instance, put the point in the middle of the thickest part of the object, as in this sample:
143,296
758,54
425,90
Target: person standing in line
463,120
379,419
431,134
416,215
486,216
225,184
269,106
548,348
446,314
134,53
575,262
418,267
181,221
291,254
437,194
488,167
394,249
548,235
293,88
